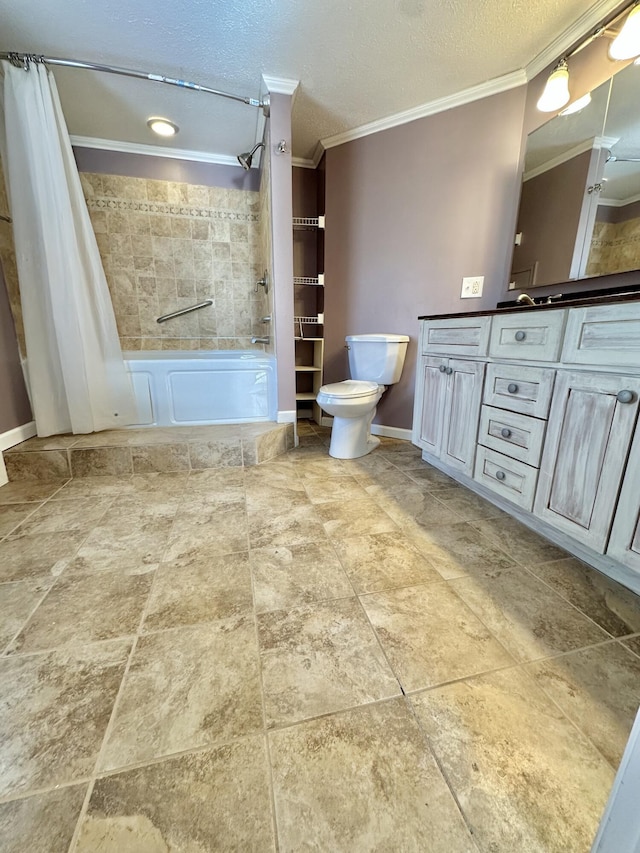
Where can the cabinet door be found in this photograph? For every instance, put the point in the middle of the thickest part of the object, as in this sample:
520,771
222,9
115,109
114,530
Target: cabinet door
462,411
588,437
431,393
624,544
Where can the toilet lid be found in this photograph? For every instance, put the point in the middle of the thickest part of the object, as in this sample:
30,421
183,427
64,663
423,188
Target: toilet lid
350,388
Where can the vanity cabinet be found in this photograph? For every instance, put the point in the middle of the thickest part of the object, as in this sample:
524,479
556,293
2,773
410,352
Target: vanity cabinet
624,544
446,412
590,429
551,437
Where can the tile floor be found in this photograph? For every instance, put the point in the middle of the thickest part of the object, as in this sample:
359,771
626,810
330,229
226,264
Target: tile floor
309,654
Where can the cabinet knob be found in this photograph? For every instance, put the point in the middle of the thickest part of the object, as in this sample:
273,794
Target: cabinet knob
512,388
449,370
443,368
505,432
520,335
500,475
625,396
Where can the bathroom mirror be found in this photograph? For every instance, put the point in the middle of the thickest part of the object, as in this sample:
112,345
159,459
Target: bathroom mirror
579,213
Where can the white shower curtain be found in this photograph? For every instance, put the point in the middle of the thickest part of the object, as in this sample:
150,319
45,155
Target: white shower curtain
77,377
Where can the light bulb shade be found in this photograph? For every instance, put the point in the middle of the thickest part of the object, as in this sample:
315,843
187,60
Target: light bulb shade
556,92
626,44
162,126
578,105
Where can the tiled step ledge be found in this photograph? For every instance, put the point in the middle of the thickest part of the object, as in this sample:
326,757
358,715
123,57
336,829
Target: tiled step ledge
145,451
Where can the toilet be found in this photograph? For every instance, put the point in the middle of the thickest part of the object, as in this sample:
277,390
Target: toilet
375,361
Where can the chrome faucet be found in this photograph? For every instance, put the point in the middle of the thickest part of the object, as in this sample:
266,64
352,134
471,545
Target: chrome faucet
257,339
525,299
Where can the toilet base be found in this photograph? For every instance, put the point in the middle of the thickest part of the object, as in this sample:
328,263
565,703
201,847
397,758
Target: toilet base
351,437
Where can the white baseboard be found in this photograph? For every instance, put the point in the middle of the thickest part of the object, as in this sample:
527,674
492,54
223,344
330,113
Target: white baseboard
391,432
378,429
16,435
287,416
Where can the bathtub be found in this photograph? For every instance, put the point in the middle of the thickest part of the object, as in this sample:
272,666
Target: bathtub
194,388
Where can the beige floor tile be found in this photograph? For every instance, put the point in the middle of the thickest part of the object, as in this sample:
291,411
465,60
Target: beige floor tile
161,458
412,507
217,799
25,491
206,532
17,600
215,480
86,608
407,459
320,659
12,515
363,780
466,505
270,498
48,442
354,518
370,468
634,645
93,487
288,526
32,556
383,561
457,550
524,777
286,577
37,465
599,689
518,541
610,605
54,711
80,514
318,463
431,478
41,824
334,489
215,454
528,618
187,688
98,461
130,547
201,590
430,636
149,506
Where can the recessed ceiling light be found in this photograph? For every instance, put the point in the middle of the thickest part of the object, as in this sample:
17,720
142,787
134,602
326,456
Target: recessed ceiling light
162,126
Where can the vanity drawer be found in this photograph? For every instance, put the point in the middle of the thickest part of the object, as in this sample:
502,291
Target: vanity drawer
603,335
461,336
519,389
515,435
507,477
529,336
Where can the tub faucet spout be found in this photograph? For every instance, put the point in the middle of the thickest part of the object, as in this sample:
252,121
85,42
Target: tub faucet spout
260,339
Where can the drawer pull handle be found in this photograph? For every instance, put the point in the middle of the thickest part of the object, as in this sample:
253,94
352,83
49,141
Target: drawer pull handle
625,396
443,368
500,475
512,388
449,370
505,432
520,336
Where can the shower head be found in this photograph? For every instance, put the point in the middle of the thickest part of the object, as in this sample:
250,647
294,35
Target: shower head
246,158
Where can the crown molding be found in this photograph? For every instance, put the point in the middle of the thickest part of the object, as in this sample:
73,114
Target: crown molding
280,85
302,163
466,96
593,143
618,202
153,150
585,24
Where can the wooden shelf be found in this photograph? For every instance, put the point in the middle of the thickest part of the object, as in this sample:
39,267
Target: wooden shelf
306,395
307,368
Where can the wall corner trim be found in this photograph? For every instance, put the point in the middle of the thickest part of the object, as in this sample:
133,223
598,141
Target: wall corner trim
14,436
280,85
286,416
449,102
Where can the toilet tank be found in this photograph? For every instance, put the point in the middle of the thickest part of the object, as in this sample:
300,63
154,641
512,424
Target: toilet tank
377,358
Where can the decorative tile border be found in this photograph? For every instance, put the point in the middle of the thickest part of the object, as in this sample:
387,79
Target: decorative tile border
169,208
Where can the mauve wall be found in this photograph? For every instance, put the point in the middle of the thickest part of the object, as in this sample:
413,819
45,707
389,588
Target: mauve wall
410,211
14,403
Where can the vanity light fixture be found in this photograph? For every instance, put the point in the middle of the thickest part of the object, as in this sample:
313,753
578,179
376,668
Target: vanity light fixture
626,44
556,91
576,106
162,126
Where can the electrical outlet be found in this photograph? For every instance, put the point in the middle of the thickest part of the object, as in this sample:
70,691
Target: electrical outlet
472,287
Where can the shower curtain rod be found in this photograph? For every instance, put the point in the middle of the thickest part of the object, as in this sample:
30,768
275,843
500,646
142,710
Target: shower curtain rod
23,59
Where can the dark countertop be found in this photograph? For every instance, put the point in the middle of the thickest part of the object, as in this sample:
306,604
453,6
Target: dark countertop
579,302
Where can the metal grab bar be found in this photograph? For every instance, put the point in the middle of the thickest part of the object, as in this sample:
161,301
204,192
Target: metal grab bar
184,311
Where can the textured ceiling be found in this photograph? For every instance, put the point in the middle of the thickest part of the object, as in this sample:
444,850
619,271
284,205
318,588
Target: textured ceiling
357,61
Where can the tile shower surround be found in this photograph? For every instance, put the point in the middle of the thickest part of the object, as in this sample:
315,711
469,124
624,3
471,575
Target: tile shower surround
166,245
309,654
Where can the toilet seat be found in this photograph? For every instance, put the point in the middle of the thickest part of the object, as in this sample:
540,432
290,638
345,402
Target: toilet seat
350,389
